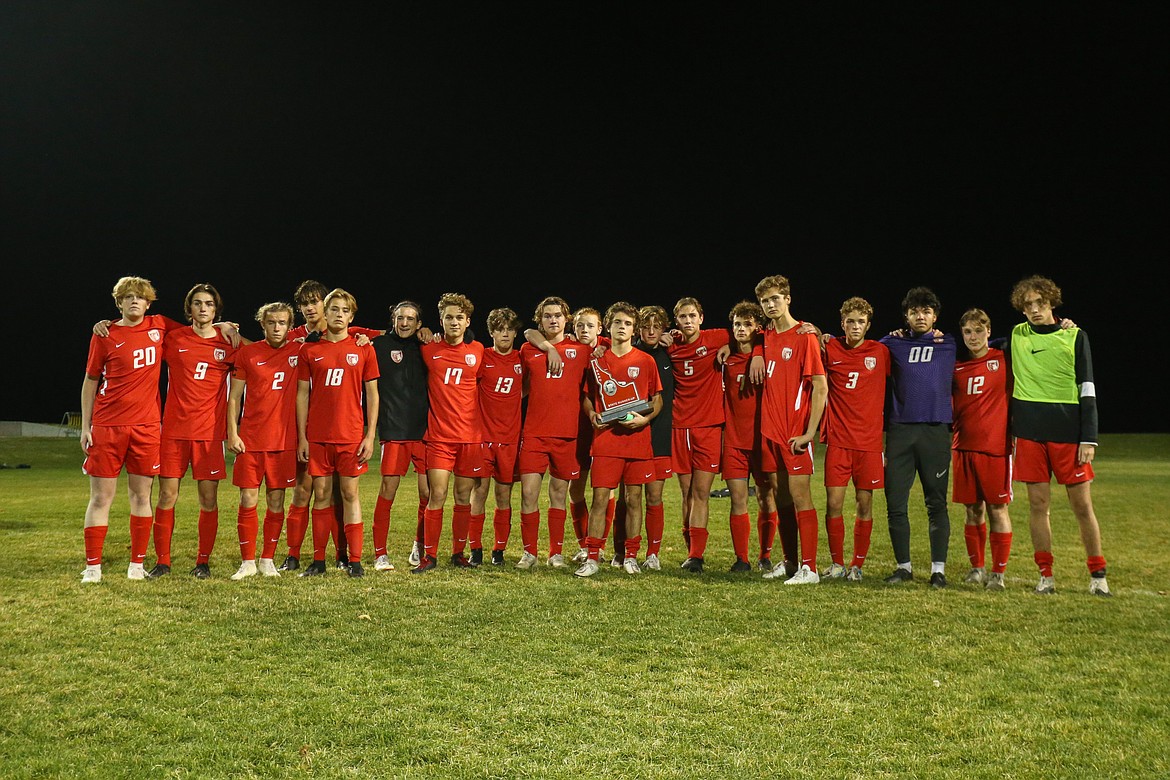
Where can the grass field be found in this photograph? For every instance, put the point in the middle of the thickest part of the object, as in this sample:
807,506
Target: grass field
504,673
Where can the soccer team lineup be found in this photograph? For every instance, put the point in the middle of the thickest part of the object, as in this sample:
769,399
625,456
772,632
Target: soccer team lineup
596,413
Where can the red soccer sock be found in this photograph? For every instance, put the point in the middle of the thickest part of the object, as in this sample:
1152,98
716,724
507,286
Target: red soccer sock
208,528
139,537
247,525
655,527
809,537
501,528
475,530
766,526
556,531
273,522
298,524
1001,550
460,522
420,528
593,547
382,508
698,546
835,533
862,531
529,531
579,510
974,542
1095,563
741,534
432,531
1043,560
324,525
633,546
162,530
353,540
95,541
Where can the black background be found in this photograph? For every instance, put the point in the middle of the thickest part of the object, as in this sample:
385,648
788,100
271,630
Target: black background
511,151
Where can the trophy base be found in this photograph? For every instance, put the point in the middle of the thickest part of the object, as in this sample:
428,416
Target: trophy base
619,412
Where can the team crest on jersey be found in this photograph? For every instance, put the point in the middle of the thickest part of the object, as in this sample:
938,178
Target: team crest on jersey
219,354
870,363
786,353
633,372
519,369
351,358
571,353
155,335
701,351
396,355
292,360
993,365
469,359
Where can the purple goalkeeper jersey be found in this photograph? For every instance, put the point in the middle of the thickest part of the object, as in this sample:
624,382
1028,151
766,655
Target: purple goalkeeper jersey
921,370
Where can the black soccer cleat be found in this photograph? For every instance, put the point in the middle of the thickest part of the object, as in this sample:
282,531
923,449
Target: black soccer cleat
900,575
693,565
291,563
497,557
740,565
476,557
202,571
427,563
460,561
159,570
314,569
355,569
938,580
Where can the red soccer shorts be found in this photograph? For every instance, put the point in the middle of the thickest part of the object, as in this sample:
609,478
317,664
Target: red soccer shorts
398,456
277,469
696,449
740,463
499,461
609,472
867,469
463,460
1039,461
663,469
205,458
134,446
557,456
325,459
795,464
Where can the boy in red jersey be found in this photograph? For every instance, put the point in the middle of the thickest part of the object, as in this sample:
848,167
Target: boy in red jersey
621,451
795,391
743,453
981,449
309,298
697,417
454,439
553,384
856,368
199,363
263,435
120,417
333,373
501,395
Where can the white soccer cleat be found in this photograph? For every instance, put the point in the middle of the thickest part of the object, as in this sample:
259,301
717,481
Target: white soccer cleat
631,566
136,572
247,569
977,576
92,574
1099,587
581,556
527,561
804,576
1046,586
267,567
557,561
588,569
836,571
652,563
778,572
995,581
854,574
415,556
382,563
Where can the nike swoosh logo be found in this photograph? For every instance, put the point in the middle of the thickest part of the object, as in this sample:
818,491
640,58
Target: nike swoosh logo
576,473
261,362
874,481
1003,495
1079,474
216,471
961,368
182,350
1035,351
647,476
837,362
435,357
714,466
157,465
322,357
477,468
797,468
120,343
940,474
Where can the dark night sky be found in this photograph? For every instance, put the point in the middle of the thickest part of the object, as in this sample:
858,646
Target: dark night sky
512,151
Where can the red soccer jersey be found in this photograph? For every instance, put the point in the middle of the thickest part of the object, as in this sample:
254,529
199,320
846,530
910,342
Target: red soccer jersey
269,419
741,404
302,332
500,396
857,394
636,367
452,373
980,393
554,402
336,372
197,385
129,363
698,380
790,360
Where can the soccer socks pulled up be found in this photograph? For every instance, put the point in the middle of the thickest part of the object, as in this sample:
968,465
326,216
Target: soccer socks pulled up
140,526
810,529
741,532
1001,550
655,527
862,533
529,531
835,532
579,510
324,526
460,523
432,531
95,540
766,525
1043,560
247,526
382,507
208,528
475,530
501,527
698,545
162,530
298,525
556,531
353,540
273,522
975,537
